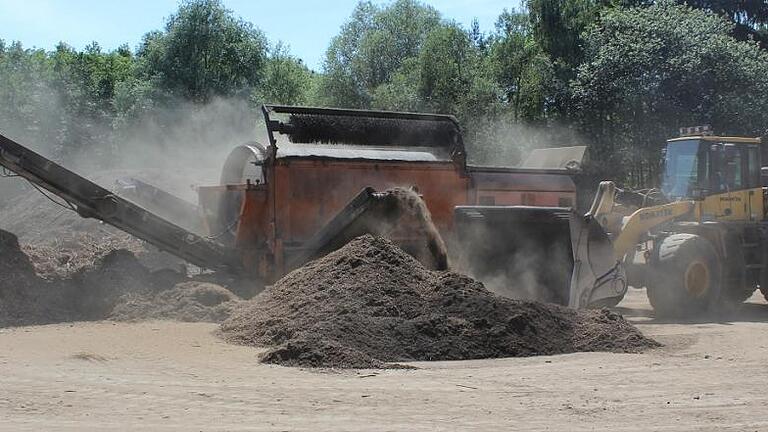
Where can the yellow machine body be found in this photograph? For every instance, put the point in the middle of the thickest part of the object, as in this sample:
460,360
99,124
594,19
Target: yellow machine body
703,237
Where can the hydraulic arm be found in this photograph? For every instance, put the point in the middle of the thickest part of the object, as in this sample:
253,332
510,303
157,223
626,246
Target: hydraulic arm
628,230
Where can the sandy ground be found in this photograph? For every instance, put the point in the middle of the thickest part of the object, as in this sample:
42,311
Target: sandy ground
172,376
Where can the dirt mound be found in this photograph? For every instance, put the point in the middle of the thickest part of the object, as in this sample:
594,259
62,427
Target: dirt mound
369,303
59,241
24,297
113,286
106,283
14,264
63,257
187,301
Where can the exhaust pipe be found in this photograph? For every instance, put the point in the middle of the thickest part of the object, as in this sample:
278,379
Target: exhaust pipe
570,257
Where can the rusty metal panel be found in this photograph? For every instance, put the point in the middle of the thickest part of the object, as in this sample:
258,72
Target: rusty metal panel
310,193
308,186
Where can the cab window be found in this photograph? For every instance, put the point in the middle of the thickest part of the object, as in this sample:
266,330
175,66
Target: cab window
729,167
683,162
734,172
753,167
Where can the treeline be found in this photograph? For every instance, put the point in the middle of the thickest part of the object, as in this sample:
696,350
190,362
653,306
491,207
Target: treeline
618,75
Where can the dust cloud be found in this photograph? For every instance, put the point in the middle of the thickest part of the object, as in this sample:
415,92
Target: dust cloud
174,148
525,277
191,140
507,144
532,272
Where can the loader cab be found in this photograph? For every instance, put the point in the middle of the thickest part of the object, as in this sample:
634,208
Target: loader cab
697,167
724,173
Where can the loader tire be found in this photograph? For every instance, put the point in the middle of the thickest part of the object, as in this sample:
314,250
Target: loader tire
687,279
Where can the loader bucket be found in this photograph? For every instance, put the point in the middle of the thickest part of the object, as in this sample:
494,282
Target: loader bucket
546,254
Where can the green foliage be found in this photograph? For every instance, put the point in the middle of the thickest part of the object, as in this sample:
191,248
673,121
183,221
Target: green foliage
28,104
558,25
286,79
750,17
650,70
623,74
86,83
371,48
67,101
524,72
446,66
401,92
62,101
205,51
133,99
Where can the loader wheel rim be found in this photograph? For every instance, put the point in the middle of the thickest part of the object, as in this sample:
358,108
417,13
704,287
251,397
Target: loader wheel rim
697,279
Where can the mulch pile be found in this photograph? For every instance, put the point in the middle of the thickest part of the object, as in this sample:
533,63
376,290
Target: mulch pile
63,268
25,298
110,284
369,304
59,242
189,301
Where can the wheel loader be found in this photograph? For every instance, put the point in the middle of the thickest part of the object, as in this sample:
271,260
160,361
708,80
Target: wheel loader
698,243
701,241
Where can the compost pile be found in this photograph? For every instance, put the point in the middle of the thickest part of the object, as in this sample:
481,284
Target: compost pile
23,295
108,284
64,268
59,241
189,301
369,304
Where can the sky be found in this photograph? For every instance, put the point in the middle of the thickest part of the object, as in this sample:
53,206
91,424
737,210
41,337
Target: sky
306,26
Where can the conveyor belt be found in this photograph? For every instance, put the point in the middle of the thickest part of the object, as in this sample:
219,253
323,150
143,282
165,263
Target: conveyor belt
93,201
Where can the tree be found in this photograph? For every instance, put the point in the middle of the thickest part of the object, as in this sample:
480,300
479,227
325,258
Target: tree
401,92
446,63
86,82
286,79
61,102
205,51
558,26
523,71
371,48
29,108
650,70
750,17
